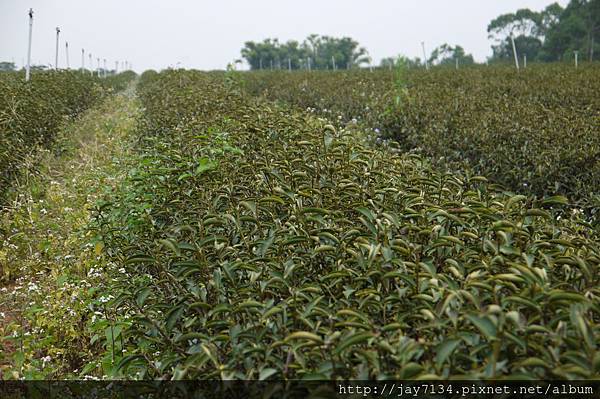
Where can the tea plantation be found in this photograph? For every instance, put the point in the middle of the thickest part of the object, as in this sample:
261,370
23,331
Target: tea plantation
536,131
255,228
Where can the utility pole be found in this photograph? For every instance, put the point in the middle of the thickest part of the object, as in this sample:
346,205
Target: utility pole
260,64
116,67
98,64
91,64
308,63
456,63
576,56
524,61
289,64
67,53
333,62
104,74
82,60
425,56
514,47
56,58
28,67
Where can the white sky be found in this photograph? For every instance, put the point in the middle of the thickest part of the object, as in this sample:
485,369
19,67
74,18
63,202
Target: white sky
209,34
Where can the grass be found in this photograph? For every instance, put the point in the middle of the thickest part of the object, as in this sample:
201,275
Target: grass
53,263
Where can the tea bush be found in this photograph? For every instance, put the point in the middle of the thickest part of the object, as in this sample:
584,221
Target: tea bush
260,242
537,131
119,81
31,113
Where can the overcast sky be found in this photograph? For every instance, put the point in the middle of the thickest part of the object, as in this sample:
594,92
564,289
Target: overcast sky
209,34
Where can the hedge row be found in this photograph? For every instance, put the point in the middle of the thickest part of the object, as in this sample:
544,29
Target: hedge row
537,131
257,242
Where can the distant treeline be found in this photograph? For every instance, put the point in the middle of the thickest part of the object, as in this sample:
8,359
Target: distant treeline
553,34
315,52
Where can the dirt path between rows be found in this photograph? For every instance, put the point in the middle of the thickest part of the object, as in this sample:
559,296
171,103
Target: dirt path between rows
46,243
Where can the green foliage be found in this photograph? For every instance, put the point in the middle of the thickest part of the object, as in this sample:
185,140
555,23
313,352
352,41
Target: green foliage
300,252
535,131
578,30
393,62
549,35
323,51
448,55
31,113
120,81
528,46
53,321
7,66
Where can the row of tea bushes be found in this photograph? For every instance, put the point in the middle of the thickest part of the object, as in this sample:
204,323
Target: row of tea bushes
537,131
258,242
120,81
31,113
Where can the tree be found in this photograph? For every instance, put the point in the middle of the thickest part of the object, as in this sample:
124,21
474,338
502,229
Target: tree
345,51
523,22
578,29
7,66
529,29
526,45
551,34
262,55
447,55
323,51
400,60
